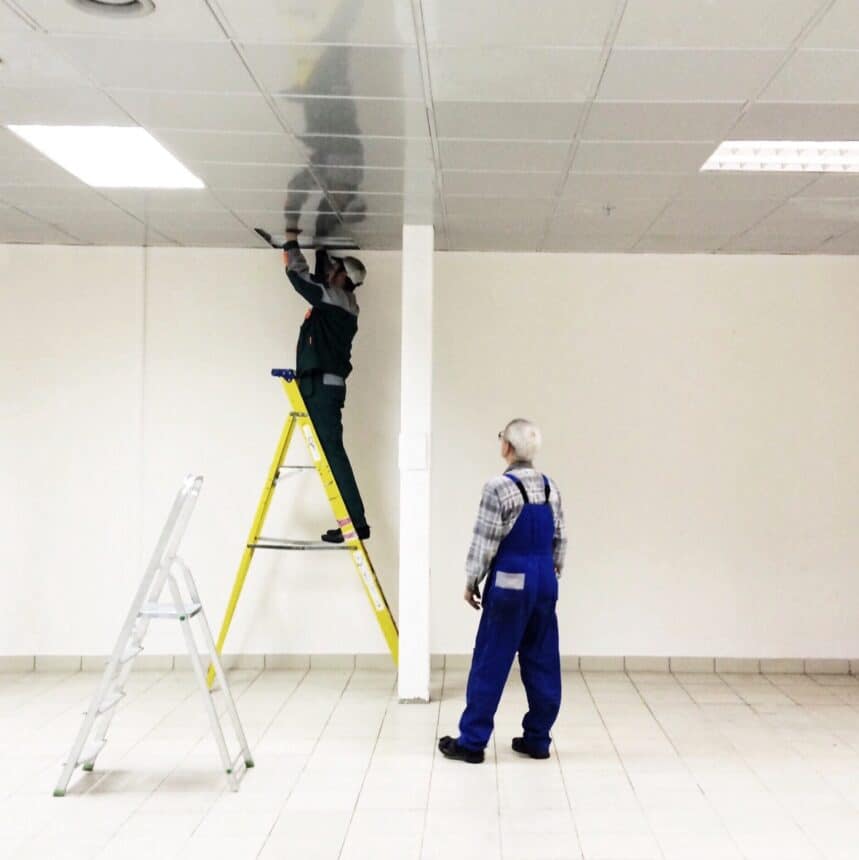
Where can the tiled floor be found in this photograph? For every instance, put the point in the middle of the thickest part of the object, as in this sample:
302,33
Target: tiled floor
681,767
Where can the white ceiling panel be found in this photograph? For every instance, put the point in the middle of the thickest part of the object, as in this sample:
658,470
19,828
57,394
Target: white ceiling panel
710,217
651,121
476,236
606,187
58,106
847,243
140,64
608,210
713,185
336,70
475,206
16,226
558,23
508,120
493,182
709,24
35,171
367,22
30,60
760,241
372,117
251,176
140,203
686,75
626,157
656,244
378,179
263,200
817,76
400,152
562,239
245,112
190,20
513,74
101,227
250,147
792,221
503,155
239,237
838,29
595,222
170,223
796,121
832,186
45,197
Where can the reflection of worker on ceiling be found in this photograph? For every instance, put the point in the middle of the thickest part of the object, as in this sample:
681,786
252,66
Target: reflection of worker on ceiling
336,161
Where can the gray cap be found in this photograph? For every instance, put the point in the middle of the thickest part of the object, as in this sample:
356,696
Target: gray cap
355,270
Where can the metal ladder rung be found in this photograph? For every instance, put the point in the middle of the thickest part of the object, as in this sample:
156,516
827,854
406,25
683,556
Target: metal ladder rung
288,544
297,469
111,701
238,765
169,610
131,652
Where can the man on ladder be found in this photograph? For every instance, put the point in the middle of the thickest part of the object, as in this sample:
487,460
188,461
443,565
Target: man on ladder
323,360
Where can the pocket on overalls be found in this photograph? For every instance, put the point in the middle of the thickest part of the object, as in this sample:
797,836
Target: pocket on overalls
508,592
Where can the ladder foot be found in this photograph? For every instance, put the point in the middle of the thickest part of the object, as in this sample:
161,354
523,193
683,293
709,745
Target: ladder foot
88,766
249,762
58,792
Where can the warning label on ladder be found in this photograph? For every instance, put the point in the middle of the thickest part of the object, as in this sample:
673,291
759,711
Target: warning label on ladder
369,580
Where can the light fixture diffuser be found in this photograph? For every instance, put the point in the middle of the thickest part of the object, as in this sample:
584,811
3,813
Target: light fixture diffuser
109,156
786,156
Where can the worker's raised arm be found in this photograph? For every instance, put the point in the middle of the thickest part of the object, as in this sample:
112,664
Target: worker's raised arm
298,272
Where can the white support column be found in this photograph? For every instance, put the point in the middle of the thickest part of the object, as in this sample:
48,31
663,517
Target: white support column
415,418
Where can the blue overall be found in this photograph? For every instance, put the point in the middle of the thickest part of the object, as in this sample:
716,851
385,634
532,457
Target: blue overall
518,615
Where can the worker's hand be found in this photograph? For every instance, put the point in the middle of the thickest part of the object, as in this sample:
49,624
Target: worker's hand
472,597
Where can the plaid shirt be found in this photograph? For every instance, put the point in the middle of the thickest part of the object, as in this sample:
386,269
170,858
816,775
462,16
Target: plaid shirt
500,506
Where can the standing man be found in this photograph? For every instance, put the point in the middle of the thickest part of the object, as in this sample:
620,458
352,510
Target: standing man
323,359
519,544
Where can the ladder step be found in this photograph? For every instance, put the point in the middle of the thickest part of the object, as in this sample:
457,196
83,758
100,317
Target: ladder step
90,751
169,610
130,653
280,543
297,469
111,701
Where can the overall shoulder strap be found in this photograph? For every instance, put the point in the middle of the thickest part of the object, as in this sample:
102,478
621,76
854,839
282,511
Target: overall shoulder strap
547,488
519,485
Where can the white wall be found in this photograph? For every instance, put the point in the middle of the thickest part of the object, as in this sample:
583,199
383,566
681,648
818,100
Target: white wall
123,370
700,416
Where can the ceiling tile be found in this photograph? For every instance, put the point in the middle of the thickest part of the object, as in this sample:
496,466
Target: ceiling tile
595,222
800,222
400,152
708,24
273,221
832,186
559,23
467,236
503,155
69,197
35,171
817,76
791,121
838,212
611,211
344,71
59,106
711,217
16,227
10,22
494,182
141,202
769,242
395,204
625,157
199,111
508,120
847,243
251,176
656,244
175,66
173,19
239,237
686,75
838,29
372,117
605,187
362,22
651,121
30,60
378,179
717,185
235,147
263,200
513,74
384,241
515,208
562,238
170,223
100,227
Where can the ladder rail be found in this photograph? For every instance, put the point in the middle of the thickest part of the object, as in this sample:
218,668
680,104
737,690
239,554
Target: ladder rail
256,527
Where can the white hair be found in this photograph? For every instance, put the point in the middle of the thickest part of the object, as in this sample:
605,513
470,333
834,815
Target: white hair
524,437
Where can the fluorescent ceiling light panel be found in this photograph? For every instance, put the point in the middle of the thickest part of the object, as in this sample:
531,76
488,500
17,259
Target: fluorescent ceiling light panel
786,156
109,156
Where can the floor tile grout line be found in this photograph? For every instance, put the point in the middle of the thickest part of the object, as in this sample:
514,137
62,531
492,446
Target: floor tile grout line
680,757
364,779
432,763
623,765
763,784
309,756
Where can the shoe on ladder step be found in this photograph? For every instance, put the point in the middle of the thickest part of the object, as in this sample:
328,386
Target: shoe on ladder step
336,536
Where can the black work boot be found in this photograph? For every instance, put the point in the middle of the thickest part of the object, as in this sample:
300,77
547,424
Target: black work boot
336,536
449,748
520,746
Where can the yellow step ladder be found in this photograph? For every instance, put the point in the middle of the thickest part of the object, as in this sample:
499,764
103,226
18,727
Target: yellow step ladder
300,418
